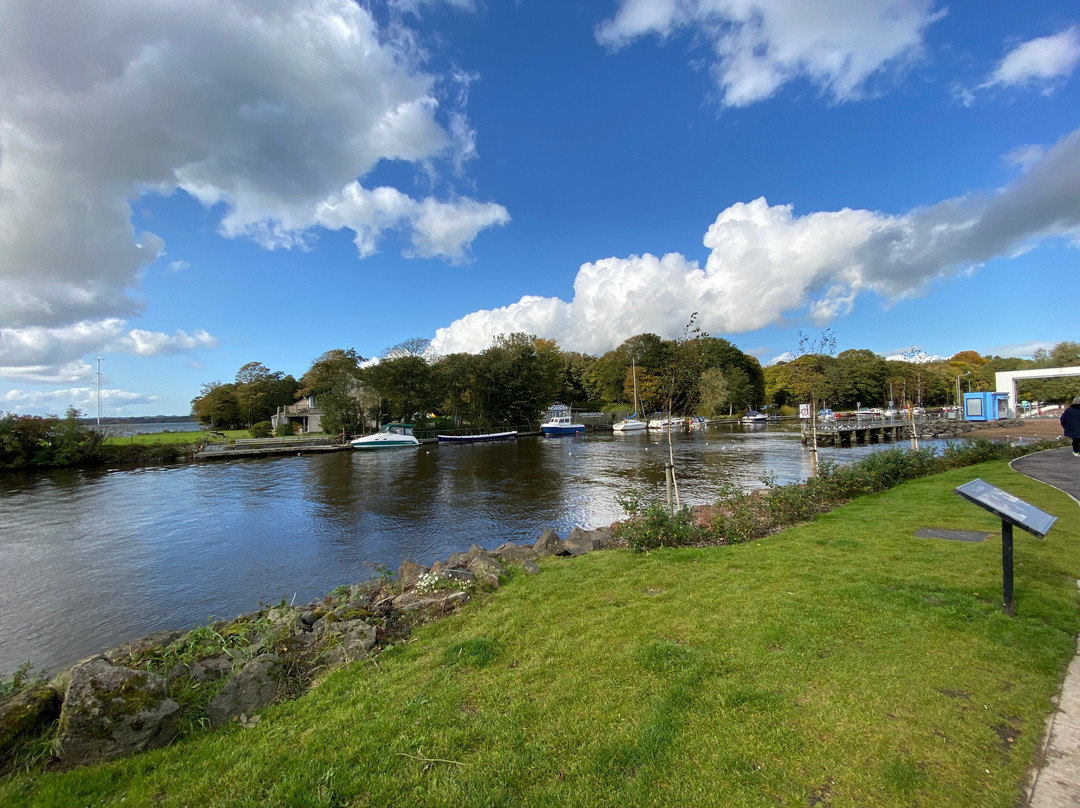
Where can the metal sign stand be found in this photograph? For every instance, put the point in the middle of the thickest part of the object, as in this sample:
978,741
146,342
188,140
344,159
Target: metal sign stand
1012,511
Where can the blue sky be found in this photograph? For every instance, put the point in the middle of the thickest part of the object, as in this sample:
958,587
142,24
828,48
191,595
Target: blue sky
190,185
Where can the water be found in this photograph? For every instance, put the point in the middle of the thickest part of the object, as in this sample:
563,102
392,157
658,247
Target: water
115,429
92,558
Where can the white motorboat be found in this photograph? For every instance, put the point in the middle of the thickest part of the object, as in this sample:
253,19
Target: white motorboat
390,436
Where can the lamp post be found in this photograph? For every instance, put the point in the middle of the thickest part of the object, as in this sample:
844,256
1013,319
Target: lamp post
959,394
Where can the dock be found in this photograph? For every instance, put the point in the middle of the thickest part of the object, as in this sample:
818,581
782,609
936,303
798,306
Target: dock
851,431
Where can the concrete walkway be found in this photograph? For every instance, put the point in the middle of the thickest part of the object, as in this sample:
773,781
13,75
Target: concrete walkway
1055,783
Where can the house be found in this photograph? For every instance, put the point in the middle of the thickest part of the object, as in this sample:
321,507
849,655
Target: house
304,416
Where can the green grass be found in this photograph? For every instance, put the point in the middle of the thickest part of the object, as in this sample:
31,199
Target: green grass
842,663
171,437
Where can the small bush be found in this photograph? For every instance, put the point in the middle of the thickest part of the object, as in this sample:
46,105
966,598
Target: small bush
652,526
262,429
284,430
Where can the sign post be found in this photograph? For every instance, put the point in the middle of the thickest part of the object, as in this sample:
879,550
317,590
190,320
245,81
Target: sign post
1012,511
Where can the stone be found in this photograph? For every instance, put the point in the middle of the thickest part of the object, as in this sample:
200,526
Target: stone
476,550
512,552
431,602
203,670
457,561
549,543
252,689
26,713
581,541
531,567
409,572
111,712
357,639
129,651
462,576
487,570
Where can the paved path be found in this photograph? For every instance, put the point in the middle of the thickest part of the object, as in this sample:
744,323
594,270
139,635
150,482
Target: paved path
1056,784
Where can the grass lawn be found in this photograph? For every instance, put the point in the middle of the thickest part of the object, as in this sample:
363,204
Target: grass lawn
841,663
171,437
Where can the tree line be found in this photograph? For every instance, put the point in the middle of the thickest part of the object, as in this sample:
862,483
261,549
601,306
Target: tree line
519,375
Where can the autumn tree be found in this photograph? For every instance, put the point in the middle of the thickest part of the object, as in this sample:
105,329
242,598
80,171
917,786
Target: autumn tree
334,380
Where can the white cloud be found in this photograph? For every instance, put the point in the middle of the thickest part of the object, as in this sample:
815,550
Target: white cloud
1022,349
82,398
839,46
42,354
1024,157
179,266
274,111
1040,62
766,264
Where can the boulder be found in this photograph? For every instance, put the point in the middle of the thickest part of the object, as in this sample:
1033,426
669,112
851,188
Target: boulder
203,670
26,713
510,551
439,602
581,541
127,651
252,689
549,543
487,570
357,638
111,712
409,572
531,567
457,561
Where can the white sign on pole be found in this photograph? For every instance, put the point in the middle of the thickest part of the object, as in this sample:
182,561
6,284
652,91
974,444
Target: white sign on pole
804,410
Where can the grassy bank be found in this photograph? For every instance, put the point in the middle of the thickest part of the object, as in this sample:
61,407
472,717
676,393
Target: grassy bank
840,663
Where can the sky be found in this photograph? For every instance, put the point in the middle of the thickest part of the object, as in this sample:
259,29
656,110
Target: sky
187,186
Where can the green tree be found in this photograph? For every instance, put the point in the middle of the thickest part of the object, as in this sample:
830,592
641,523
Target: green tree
217,406
334,380
404,384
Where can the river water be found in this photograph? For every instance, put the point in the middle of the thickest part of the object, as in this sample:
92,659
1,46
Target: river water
92,558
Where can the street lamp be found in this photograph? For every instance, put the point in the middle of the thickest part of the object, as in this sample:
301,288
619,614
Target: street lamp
958,393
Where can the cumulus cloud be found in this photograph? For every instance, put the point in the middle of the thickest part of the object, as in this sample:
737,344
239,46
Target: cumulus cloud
42,354
1041,62
767,264
839,46
273,113
82,398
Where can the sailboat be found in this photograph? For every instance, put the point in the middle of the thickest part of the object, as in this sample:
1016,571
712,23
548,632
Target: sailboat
633,423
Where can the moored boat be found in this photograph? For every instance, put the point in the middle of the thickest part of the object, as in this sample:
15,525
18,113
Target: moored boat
561,425
662,420
754,417
632,423
697,422
389,436
477,438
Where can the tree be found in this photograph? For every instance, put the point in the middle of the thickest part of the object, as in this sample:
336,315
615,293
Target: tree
404,384
217,406
260,391
334,380
713,392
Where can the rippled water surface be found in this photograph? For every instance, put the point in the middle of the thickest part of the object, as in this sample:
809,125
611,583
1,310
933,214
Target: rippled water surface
92,558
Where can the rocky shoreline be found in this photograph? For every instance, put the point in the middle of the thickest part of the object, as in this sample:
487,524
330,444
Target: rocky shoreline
128,698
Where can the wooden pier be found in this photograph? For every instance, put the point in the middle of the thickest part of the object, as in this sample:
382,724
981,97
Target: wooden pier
848,432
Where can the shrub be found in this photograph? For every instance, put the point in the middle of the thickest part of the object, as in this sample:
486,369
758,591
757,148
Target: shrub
262,429
284,429
653,525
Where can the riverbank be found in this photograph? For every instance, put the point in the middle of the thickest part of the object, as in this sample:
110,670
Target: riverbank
843,662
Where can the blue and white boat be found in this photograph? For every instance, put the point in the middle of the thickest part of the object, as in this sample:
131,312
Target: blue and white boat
390,436
559,422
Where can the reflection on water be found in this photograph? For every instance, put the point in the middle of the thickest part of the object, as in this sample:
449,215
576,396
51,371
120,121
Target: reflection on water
91,558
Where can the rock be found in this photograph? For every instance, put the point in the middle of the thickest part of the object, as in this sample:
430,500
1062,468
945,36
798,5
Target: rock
433,602
308,617
203,670
111,712
549,543
487,570
128,651
531,567
461,576
457,561
476,550
252,689
581,541
25,713
513,552
357,638
409,572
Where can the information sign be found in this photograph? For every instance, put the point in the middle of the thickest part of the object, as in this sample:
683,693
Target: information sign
1009,508
1012,511
804,411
